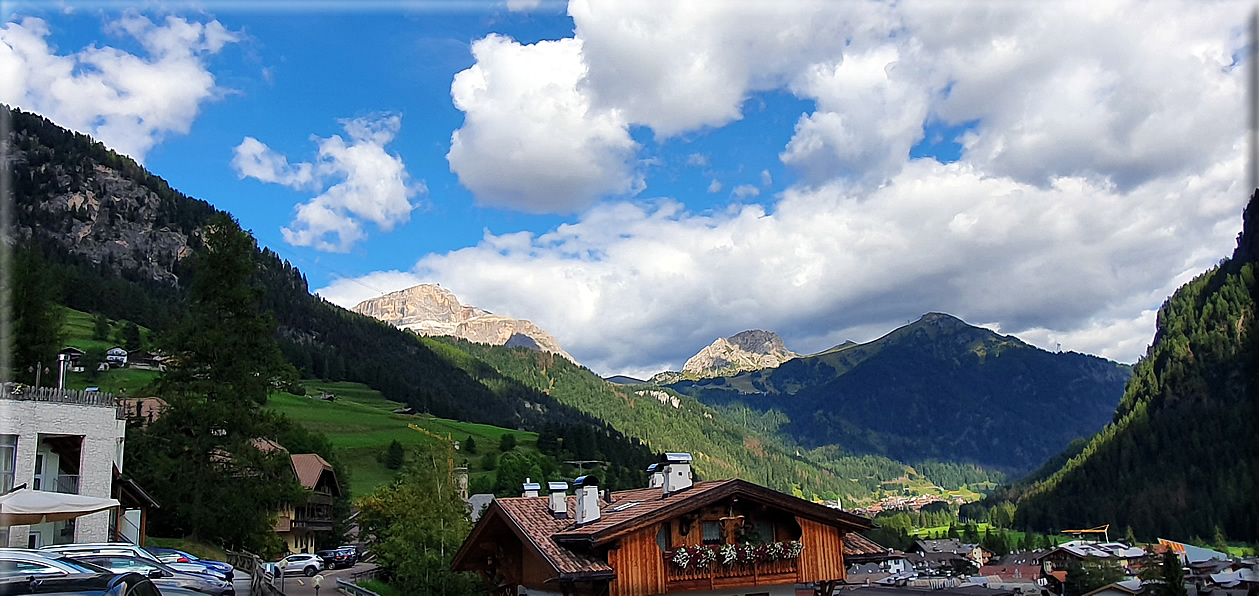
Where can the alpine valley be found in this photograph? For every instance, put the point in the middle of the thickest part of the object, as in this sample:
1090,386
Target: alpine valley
935,402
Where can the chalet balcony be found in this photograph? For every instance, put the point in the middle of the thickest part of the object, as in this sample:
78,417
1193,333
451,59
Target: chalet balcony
717,576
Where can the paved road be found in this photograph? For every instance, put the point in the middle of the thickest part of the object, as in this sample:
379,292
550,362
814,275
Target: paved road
300,585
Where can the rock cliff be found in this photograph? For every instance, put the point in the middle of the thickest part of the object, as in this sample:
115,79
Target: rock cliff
749,350
429,309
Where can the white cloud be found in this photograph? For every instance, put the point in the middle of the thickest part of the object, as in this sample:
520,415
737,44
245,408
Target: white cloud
630,284
360,181
767,179
1102,169
531,139
253,159
128,102
697,160
348,291
744,191
523,5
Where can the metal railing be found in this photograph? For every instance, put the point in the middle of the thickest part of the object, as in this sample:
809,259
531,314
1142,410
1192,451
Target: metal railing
261,583
348,588
62,396
66,484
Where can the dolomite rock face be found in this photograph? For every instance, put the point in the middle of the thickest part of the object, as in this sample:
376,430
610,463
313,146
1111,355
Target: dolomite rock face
749,350
429,309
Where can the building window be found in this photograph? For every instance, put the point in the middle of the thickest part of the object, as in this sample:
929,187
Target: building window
712,533
8,459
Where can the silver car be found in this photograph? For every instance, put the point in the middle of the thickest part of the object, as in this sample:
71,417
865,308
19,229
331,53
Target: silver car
126,548
20,562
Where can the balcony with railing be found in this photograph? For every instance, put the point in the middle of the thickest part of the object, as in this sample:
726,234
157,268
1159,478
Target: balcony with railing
716,576
66,483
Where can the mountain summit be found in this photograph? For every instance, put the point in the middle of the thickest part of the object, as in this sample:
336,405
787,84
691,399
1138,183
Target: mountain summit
750,350
429,309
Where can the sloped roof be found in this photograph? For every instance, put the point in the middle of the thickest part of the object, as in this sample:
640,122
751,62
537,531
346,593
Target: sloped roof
554,538
857,545
634,509
309,467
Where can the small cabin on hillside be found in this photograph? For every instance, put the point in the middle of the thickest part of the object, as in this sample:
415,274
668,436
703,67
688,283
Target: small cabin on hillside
674,537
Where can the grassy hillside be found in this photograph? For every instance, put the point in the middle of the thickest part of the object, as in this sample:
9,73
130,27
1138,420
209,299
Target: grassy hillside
360,423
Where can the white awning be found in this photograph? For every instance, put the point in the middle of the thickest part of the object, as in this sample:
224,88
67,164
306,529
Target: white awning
25,506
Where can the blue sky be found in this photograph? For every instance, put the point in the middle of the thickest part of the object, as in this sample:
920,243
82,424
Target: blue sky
641,179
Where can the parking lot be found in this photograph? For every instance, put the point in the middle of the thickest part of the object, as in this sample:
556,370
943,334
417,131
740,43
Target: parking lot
300,585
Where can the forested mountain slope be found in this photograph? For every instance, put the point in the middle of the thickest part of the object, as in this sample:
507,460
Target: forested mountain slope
934,389
1179,458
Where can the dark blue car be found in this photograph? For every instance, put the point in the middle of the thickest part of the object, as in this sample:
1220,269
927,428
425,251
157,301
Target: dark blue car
171,555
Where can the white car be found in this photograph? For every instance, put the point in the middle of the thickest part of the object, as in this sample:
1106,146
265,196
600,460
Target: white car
305,563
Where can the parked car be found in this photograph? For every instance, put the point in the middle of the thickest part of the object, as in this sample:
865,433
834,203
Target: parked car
338,557
126,548
163,576
306,563
172,557
20,562
81,584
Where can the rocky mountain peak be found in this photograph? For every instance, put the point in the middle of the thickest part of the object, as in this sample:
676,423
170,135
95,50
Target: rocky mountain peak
429,309
749,350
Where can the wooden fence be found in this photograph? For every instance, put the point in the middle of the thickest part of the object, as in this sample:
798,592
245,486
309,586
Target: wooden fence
261,583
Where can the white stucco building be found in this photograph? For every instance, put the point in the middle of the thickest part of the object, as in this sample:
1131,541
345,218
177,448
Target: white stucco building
61,441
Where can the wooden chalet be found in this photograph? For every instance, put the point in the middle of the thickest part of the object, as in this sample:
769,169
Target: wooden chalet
627,543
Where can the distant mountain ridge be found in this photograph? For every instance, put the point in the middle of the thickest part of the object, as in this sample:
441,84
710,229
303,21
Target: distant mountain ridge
429,309
937,388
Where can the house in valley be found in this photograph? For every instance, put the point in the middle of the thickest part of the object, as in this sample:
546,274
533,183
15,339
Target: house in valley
678,536
116,356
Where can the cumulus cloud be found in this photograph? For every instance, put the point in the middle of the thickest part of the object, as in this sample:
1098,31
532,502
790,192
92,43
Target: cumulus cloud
522,5
767,179
744,191
359,179
531,139
714,186
126,101
347,291
1102,167
634,283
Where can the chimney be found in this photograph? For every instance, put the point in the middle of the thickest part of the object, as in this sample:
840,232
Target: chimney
531,488
657,476
587,499
559,499
677,472
63,360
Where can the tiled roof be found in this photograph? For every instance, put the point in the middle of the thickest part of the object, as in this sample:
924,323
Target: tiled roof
856,544
535,521
309,466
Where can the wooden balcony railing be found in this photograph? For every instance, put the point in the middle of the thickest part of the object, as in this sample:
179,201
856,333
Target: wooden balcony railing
714,573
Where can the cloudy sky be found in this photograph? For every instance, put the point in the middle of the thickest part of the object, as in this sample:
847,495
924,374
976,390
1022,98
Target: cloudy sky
640,178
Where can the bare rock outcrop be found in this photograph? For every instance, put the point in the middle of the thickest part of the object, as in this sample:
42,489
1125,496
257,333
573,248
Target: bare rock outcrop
429,309
749,350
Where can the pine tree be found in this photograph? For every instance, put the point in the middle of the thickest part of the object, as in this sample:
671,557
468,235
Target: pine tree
394,455
100,327
507,443
200,457
1172,576
469,446
37,319
131,339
